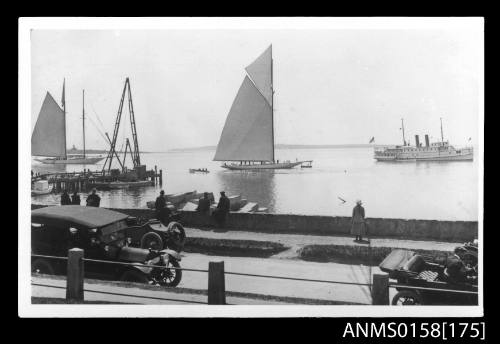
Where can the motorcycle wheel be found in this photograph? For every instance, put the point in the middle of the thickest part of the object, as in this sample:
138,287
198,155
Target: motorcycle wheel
170,277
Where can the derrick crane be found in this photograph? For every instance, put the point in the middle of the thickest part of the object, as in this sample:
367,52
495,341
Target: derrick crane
136,160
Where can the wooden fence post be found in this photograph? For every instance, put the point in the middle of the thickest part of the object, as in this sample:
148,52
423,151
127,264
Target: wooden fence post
216,284
74,279
380,289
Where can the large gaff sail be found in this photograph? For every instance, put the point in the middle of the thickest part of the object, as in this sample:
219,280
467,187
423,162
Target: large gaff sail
49,136
248,131
260,71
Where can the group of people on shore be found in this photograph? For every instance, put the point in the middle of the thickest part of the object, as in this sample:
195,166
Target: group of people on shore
219,214
93,200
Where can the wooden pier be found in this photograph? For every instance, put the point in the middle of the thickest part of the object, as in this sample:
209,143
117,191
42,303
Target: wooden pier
86,180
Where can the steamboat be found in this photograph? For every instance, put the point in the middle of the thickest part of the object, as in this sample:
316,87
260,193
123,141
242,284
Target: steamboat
436,151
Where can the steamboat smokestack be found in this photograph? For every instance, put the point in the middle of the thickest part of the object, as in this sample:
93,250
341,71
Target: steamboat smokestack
417,143
426,140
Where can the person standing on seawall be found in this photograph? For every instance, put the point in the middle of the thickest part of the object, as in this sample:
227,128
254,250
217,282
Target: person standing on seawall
358,225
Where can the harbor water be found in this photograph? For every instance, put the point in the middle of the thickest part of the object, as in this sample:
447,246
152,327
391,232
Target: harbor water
408,190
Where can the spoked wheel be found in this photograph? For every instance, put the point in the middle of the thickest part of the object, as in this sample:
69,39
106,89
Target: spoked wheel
168,276
470,260
406,298
176,236
152,240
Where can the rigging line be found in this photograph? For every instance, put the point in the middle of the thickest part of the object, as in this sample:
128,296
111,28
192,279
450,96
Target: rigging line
97,116
99,131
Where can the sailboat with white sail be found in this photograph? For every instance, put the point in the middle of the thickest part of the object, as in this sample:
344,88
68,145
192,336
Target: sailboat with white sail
49,136
247,140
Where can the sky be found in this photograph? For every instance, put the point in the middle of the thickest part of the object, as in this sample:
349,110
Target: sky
332,86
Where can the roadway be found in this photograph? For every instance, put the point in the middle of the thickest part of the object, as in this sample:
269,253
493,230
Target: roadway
243,287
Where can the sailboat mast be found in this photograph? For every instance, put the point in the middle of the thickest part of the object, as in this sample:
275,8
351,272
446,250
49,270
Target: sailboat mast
83,118
64,115
272,101
403,129
442,138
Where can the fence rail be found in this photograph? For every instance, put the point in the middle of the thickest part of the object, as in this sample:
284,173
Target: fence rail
216,290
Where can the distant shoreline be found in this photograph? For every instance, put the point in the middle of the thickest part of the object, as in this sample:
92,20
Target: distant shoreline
282,146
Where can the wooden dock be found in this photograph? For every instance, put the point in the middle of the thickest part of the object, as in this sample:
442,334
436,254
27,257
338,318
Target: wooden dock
86,180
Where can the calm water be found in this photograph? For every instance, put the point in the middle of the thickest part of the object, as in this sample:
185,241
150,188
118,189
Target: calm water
425,190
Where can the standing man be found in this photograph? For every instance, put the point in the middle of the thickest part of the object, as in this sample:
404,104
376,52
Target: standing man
65,200
160,204
358,228
222,210
75,198
93,200
204,204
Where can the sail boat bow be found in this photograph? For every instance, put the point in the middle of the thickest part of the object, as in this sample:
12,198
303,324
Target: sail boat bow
248,134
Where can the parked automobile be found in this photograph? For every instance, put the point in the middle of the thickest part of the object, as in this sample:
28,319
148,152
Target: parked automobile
102,234
424,282
156,235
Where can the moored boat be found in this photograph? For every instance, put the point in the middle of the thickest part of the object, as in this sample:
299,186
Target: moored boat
435,151
49,136
40,187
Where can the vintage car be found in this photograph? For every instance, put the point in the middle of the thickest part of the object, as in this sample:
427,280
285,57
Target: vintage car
156,235
102,234
423,281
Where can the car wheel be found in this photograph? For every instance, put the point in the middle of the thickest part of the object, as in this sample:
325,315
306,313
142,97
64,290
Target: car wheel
406,298
176,236
134,276
470,260
171,277
41,266
152,240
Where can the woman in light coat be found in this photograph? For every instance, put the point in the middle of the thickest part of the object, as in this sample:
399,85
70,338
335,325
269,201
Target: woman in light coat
358,228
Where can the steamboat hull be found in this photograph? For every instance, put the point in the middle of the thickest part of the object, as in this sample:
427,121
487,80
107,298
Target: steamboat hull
465,157
277,166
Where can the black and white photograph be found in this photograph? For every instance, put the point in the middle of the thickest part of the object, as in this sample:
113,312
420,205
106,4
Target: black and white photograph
251,167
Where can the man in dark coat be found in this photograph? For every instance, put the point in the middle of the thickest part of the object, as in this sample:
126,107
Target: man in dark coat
75,198
65,200
222,210
358,228
93,200
204,204
161,210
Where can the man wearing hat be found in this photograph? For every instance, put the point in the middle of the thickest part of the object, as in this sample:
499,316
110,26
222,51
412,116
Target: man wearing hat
358,226
93,200
65,200
160,205
222,210
204,204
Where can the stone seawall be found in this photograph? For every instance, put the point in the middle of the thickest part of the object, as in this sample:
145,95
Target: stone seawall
453,231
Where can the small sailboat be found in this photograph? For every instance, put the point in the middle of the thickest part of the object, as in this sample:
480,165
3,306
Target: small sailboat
49,136
247,140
